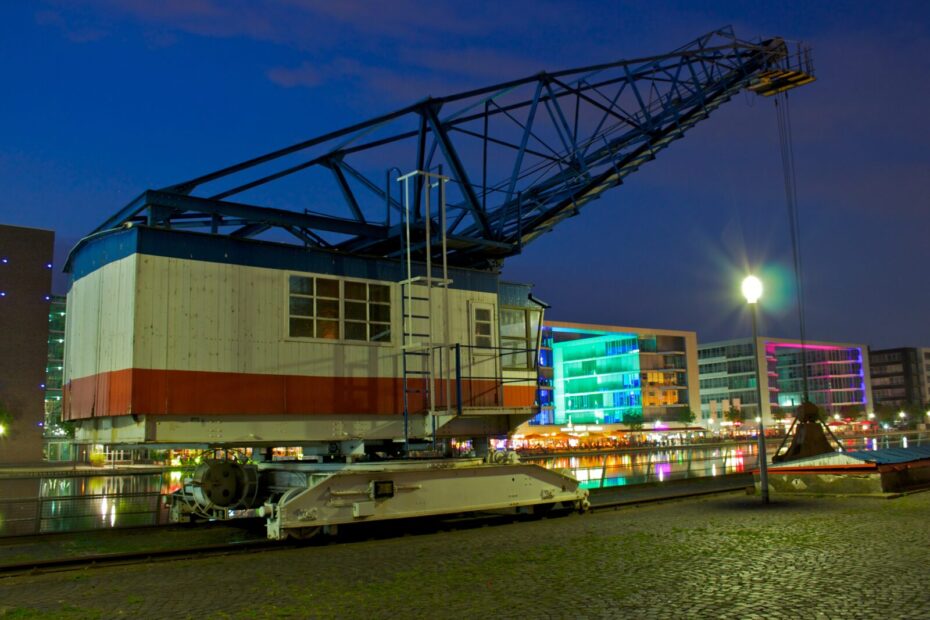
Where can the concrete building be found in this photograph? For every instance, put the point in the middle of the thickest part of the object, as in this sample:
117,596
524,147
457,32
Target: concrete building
836,377
898,377
923,356
611,375
25,284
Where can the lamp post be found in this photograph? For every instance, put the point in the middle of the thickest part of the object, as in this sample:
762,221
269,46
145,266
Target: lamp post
752,291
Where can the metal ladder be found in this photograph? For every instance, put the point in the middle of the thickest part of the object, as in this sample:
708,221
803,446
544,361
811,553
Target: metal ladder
421,353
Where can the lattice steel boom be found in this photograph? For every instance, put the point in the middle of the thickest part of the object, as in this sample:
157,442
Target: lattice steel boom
522,155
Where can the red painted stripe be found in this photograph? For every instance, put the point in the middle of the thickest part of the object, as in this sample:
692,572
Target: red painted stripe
180,392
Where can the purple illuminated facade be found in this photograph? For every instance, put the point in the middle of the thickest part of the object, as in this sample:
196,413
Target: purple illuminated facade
836,377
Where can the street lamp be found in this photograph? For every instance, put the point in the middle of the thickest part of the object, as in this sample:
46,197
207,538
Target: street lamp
752,291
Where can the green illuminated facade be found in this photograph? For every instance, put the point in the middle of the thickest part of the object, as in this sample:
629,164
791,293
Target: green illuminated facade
58,446
597,380
600,374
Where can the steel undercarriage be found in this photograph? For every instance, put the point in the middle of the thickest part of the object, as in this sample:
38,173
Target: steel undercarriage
298,499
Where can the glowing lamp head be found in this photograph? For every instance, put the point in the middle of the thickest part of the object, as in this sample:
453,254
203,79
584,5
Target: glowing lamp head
752,289
2,430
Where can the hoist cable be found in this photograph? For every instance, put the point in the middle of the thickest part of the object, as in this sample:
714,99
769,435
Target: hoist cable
786,143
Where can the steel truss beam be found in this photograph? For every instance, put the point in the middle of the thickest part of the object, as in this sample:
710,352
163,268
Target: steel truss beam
521,155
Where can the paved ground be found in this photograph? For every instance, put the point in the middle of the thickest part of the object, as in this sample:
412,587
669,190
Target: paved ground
719,557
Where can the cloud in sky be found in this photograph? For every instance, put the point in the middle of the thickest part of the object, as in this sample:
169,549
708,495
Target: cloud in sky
74,31
384,47
306,74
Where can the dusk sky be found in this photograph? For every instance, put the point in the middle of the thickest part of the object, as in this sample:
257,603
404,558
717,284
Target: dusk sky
105,98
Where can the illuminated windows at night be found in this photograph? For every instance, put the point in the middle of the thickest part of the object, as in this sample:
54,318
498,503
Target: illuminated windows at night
597,380
835,376
588,375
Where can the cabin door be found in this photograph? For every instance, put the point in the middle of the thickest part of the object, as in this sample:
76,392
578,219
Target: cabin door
482,376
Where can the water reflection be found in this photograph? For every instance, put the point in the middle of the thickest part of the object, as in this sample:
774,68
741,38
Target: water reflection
41,505
658,465
44,505
677,463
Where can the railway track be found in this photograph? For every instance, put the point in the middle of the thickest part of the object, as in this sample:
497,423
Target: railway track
603,500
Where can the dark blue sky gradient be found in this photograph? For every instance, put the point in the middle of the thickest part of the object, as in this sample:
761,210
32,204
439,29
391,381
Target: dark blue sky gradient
104,98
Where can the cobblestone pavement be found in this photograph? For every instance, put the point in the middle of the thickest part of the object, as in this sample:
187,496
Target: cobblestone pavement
721,557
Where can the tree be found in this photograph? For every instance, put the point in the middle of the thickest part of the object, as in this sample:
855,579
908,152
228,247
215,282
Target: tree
915,414
634,421
854,412
885,414
734,415
685,416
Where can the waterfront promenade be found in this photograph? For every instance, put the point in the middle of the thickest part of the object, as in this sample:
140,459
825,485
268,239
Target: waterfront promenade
715,557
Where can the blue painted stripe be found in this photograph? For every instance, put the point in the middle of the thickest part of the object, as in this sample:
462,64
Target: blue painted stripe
95,252
92,253
512,294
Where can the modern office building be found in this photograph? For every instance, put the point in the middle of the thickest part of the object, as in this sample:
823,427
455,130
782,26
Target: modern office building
608,375
25,284
836,378
898,377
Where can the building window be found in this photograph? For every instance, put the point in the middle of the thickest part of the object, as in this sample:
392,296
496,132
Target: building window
367,312
330,309
313,307
483,327
519,334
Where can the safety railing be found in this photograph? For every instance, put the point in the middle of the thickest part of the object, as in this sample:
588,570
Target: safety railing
473,377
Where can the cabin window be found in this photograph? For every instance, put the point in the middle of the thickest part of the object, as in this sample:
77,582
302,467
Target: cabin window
332,309
313,307
368,312
483,327
519,336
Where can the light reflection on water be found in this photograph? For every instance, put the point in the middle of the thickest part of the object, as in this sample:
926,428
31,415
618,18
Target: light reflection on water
656,465
40,505
43,505
678,463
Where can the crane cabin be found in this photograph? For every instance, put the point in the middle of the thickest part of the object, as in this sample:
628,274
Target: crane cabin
178,337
